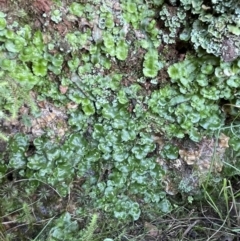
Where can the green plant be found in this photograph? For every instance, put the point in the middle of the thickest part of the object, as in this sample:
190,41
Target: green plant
9,191
88,232
188,103
64,228
206,26
12,97
3,22
76,9
151,64
226,196
121,50
108,73
173,19
56,16
18,76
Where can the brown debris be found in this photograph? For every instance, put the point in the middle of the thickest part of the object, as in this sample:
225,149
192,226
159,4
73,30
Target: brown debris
61,28
170,186
3,4
42,6
190,157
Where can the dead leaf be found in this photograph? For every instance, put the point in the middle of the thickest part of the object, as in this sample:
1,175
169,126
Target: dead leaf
97,34
46,38
61,28
41,104
24,110
170,187
84,23
223,141
159,140
72,105
177,164
63,89
151,229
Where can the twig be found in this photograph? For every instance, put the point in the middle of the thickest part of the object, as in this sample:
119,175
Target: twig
189,228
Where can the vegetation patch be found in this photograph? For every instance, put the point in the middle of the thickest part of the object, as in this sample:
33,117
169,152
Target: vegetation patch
119,120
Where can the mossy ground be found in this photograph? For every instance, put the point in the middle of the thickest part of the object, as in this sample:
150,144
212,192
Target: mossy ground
195,196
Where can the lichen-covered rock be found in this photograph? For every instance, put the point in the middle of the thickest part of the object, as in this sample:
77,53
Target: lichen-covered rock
214,27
